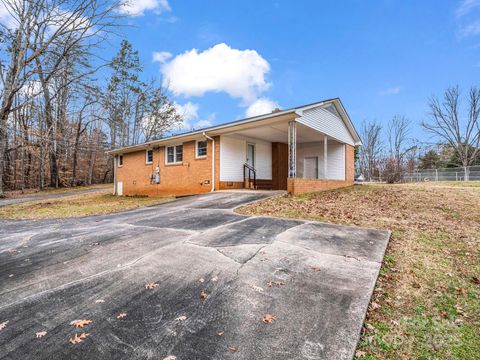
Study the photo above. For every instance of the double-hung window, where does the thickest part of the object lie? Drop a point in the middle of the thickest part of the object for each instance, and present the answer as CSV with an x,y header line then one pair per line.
x,y
149,157
201,149
174,154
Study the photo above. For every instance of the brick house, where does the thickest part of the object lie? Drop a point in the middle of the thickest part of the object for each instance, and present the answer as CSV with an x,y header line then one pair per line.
x,y
303,149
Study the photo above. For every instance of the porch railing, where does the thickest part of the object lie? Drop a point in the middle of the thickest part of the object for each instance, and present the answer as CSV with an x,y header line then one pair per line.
x,y
251,171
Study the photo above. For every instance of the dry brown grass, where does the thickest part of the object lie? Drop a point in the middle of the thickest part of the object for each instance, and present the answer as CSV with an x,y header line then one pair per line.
x,y
37,192
426,304
102,202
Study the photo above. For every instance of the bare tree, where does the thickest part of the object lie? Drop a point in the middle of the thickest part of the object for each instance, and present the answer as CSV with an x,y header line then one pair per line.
x,y
42,32
400,146
371,150
460,131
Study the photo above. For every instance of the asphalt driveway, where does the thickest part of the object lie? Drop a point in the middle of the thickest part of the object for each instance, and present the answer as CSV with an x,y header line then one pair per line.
x,y
212,276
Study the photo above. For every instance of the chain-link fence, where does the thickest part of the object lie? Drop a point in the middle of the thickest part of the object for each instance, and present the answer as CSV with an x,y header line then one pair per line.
x,y
469,173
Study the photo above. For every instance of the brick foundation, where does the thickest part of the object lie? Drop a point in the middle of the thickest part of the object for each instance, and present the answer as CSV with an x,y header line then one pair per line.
x,y
297,186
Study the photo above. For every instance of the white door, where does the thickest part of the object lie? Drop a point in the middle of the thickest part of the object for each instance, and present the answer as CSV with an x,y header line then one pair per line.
x,y
251,155
119,188
310,167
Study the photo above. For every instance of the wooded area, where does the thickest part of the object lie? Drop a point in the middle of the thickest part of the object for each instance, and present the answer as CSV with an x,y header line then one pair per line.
x,y
62,104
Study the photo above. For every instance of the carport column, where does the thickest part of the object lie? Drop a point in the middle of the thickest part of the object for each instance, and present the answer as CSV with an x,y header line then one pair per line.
x,y
292,149
325,157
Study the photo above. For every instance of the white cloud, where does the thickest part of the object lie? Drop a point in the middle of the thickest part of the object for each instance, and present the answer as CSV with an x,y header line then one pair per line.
x,y
205,122
161,56
189,113
391,91
471,29
239,73
261,106
6,18
139,7
466,7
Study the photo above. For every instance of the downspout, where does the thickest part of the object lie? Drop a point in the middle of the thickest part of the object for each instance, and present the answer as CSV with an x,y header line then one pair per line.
x,y
213,159
115,175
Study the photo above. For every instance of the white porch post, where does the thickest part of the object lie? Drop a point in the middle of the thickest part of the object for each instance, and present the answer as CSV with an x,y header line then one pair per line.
x,y
325,157
292,149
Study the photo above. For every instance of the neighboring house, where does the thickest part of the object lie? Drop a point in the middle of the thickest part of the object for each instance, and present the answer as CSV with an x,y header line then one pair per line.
x,y
303,149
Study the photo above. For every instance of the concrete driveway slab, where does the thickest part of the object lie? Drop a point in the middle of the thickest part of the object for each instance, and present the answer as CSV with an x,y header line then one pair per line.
x,y
211,272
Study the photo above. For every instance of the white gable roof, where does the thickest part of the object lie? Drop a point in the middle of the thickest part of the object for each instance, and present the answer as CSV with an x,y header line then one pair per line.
x,y
327,120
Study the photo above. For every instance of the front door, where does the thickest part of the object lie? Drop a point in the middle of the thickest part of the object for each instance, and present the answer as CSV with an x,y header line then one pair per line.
x,y
251,155
310,167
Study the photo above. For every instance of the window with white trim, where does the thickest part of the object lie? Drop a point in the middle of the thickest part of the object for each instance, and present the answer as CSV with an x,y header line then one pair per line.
x,y
201,148
120,160
174,154
149,156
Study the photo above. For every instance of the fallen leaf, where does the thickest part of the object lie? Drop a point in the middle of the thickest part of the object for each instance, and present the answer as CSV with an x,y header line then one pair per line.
x,y
75,339
181,318
40,334
268,318
80,323
220,333
374,305
151,285
203,295
257,288
460,290
170,357
214,279
11,275
360,353
3,325
315,268
122,315
475,280
232,349
202,280
275,283
99,301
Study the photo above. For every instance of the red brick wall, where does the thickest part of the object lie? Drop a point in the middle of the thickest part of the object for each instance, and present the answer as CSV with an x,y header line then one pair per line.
x,y
297,186
349,163
182,179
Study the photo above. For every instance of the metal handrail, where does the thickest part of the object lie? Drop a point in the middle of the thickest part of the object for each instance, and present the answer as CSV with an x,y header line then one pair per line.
x,y
251,170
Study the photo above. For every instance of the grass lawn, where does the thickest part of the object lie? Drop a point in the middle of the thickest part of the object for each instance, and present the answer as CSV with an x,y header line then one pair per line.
x,y
426,303
38,192
101,202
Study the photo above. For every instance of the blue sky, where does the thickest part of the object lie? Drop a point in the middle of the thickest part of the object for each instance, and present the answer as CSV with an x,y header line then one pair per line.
x,y
381,58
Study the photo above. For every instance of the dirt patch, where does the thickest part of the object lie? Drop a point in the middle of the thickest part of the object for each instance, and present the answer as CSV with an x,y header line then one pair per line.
x,y
427,300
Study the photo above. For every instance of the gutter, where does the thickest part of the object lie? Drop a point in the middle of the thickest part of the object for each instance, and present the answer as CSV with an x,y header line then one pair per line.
x,y
115,175
213,159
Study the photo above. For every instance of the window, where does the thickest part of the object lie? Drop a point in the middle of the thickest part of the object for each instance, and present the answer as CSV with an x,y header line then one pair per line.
x,y
174,154
179,153
120,160
201,149
149,157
